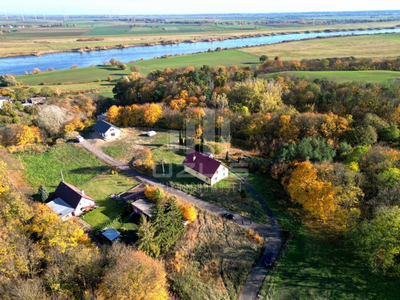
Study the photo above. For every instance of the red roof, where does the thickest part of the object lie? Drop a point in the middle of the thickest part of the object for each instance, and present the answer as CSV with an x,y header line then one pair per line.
x,y
201,163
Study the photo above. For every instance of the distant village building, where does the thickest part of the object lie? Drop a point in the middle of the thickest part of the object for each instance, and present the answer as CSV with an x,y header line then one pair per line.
x,y
37,100
70,201
205,168
143,207
112,235
106,130
4,99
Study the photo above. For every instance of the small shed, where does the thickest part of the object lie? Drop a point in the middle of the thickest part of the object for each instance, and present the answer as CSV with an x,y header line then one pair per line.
x,y
151,133
112,235
143,207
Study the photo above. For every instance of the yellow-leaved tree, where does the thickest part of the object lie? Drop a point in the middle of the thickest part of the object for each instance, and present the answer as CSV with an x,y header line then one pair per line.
x,y
152,113
315,195
135,276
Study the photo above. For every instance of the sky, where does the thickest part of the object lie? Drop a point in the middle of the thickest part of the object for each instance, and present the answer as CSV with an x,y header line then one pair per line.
x,y
140,7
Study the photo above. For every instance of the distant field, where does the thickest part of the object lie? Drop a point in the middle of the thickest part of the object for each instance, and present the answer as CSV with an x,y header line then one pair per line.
x,y
117,32
146,66
344,76
383,45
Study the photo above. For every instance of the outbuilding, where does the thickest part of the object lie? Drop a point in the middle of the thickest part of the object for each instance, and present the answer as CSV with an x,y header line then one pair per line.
x,y
106,130
151,133
112,235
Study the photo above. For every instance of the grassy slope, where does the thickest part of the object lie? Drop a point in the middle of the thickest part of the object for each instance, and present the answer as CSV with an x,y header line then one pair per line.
x,y
318,265
217,259
384,45
146,66
77,164
344,76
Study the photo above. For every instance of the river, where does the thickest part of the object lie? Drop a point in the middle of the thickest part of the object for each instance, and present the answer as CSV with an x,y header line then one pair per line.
x,y
64,60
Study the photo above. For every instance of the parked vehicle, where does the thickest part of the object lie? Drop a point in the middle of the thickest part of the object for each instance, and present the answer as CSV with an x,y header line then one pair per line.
x,y
79,139
228,216
269,261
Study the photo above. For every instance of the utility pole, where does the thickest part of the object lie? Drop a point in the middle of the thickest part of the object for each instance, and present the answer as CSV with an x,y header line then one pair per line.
x,y
34,11
5,12
22,14
62,176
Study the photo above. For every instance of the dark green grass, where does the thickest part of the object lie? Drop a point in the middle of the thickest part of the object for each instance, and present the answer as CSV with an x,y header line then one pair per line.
x,y
100,188
345,76
317,265
77,165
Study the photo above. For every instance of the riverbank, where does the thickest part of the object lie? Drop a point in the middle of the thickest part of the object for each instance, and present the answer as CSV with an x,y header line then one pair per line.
x,y
193,40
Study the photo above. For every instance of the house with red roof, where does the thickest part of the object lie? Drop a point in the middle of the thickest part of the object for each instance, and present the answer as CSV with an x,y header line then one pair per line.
x,y
205,168
70,201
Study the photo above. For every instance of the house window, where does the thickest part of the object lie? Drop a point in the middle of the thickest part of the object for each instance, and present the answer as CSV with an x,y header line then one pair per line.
x,y
207,179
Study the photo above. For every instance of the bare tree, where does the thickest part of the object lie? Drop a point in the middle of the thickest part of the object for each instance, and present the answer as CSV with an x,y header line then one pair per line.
x,y
53,118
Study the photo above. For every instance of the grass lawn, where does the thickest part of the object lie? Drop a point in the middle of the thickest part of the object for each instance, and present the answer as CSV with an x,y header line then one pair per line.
x,y
91,74
383,45
344,76
317,265
100,188
216,259
165,147
77,164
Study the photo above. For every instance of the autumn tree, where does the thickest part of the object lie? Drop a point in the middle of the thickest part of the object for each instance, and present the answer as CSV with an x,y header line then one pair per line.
x,y
8,80
152,113
135,276
53,118
189,213
316,196
143,159
114,115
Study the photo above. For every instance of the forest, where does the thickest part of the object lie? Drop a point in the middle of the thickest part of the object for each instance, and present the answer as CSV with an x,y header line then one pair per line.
x,y
333,147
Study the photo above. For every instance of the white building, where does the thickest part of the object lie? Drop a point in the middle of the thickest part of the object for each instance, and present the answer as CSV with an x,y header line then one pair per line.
x,y
4,99
205,168
106,130
70,201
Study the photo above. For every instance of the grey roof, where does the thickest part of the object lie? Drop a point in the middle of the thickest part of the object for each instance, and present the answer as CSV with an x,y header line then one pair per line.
x,y
144,206
111,234
103,126
60,207
70,194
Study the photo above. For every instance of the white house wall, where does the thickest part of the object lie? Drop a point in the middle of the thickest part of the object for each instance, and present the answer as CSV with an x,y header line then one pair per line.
x,y
221,173
83,203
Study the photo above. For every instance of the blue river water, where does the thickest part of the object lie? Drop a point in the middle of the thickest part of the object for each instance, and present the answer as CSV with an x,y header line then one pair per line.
x,y
64,60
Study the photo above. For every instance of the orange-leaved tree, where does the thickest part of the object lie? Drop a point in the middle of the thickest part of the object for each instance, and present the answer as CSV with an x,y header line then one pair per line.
x,y
315,195
135,276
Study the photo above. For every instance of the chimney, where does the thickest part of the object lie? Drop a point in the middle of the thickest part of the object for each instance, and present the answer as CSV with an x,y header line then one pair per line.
x,y
194,157
83,193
